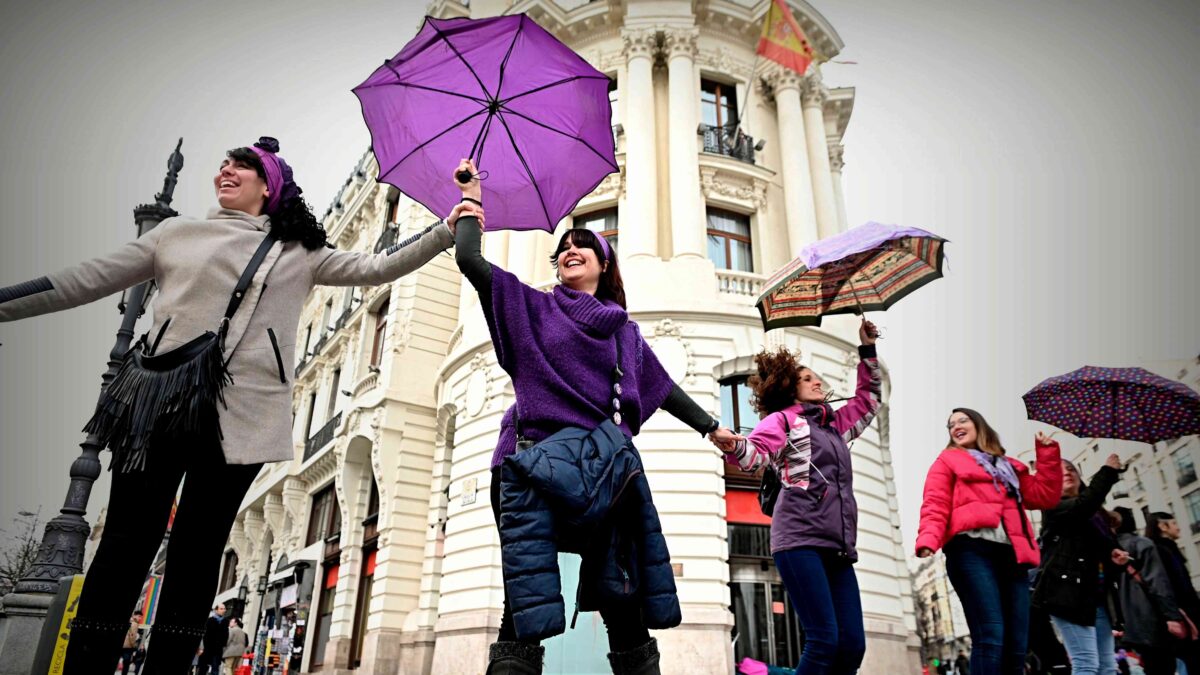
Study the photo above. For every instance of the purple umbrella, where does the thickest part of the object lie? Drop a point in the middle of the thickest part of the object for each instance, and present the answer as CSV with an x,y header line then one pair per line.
x,y
1131,404
531,113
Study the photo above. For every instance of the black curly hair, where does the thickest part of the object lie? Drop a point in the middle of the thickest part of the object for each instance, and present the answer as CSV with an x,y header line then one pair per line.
x,y
294,219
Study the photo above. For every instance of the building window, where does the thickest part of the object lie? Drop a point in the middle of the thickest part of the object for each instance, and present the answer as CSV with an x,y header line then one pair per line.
x,y
736,411
603,223
613,97
333,393
324,613
393,207
1192,499
1184,466
729,240
718,104
308,419
381,322
325,517
228,571
766,625
306,346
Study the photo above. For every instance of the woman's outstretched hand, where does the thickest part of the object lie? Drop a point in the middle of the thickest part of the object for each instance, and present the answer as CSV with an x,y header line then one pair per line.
x,y
868,333
470,189
1043,439
924,552
464,209
724,439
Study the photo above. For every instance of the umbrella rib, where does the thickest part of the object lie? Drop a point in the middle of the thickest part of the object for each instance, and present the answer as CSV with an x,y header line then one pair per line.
x,y
559,131
481,101
445,131
504,63
471,70
532,180
553,84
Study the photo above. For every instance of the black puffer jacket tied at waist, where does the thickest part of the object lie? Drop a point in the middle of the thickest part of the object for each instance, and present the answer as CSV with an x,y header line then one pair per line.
x,y
582,492
1075,549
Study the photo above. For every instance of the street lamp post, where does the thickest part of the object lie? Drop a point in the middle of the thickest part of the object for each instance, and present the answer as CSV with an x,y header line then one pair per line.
x,y
61,552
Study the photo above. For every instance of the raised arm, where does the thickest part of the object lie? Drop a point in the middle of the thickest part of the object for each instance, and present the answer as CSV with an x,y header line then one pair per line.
x,y
935,507
468,254
1075,511
1043,489
86,282
853,418
347,268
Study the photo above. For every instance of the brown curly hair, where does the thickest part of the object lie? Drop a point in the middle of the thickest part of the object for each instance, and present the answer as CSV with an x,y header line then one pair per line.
x,y
774,385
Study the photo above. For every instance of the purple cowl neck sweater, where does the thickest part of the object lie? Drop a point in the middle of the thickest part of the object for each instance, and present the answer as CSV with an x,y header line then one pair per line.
x,y
558,348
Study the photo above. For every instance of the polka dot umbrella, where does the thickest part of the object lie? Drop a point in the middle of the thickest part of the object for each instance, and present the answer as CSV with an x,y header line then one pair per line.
x,y
1130,404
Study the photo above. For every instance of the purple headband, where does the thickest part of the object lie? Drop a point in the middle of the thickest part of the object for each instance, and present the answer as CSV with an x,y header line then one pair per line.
x,y
279,174
604,245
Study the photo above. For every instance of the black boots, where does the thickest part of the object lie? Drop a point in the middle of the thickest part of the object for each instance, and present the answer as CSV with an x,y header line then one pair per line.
x,y
171,649
640,661
515,658
94,644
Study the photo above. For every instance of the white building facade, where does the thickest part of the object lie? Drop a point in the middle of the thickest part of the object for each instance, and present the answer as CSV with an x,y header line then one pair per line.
x,y
375,549
941,622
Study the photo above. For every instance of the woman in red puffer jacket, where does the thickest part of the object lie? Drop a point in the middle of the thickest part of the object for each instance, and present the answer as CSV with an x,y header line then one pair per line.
x,y
974,507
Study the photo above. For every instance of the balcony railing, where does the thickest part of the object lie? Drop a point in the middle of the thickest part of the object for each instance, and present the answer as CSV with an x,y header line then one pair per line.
x,y
388,238
739,283
1187,477
729,140
322,437
366,384
749,541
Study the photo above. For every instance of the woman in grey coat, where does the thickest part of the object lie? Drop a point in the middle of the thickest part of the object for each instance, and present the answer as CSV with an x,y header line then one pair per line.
x,y
1151,613
196,264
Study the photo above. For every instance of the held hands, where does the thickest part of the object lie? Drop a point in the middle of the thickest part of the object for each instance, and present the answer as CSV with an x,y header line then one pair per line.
x,y
464,209
470,191
724,439
868,333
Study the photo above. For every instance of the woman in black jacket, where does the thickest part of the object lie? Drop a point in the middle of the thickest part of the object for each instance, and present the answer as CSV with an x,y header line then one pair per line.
x,y
1080,568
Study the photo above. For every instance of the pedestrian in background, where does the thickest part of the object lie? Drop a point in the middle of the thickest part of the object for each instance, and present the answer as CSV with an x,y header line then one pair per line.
x,y
216,635
974,506
962,664
235,646
133,642
1081,565
1163,530
1152,616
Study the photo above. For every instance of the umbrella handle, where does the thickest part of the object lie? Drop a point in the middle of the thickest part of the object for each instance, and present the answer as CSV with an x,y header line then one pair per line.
x,y
463,177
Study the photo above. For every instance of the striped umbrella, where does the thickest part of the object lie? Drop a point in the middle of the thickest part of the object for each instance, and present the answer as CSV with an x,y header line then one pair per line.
x,y
867,268
1130,404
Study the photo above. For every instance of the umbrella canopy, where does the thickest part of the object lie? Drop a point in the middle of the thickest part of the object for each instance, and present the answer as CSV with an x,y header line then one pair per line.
x,y
531,113
1130,404
868,268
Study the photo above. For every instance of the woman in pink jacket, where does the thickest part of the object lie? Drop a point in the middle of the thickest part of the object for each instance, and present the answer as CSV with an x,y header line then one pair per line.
x,y
974,507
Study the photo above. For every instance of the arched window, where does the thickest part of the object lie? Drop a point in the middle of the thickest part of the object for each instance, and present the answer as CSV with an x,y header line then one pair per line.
x,y
381,322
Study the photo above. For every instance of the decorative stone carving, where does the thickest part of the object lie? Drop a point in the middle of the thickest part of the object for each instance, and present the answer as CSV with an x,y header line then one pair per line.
x,y
402,337
295,493
674,352
751,192
814,93
273,513
613,186
478,386
680,42
779,79
722,60
640,43
836,160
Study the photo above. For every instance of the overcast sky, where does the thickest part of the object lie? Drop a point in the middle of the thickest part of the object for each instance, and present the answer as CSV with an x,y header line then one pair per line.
x,y
1054,143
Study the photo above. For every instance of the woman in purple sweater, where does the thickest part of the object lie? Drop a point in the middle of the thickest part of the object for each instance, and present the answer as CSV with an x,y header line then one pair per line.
x,y
815,523
559,348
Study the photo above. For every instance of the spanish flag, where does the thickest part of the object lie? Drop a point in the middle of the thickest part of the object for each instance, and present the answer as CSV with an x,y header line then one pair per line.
x,y
782,40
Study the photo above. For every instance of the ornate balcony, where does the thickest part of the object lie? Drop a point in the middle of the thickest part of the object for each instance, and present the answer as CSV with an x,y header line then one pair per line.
x,y
388,238
322,437
746,284
729,140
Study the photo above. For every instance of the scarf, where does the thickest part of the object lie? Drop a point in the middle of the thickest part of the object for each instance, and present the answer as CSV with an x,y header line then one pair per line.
x,y
1004,476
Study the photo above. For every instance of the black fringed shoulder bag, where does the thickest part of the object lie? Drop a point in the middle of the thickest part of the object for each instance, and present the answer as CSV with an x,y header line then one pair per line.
x,y
175,392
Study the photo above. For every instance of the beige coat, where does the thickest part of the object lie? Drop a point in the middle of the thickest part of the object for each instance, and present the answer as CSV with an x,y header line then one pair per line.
x,y
196,265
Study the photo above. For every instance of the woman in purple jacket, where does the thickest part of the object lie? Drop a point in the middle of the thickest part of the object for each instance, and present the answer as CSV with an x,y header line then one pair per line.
x,y
815,522
560,349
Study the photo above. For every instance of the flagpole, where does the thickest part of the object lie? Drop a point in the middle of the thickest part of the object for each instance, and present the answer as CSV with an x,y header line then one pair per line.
x,y
749,93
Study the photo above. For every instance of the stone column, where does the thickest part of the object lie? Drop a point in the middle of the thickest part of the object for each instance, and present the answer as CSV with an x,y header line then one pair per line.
x,y
793,164
836,163
687,227
521,247
814,94
639,227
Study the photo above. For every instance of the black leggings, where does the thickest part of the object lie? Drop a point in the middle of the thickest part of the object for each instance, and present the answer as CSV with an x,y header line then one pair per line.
x,y
624,625
139,507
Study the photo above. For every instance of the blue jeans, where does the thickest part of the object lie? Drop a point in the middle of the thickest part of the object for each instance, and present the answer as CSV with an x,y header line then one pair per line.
x,y
824,593
994,591
1091,648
